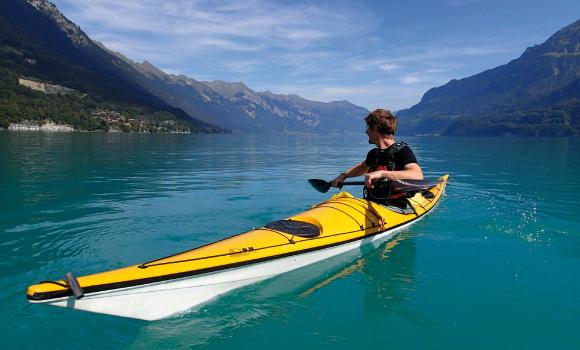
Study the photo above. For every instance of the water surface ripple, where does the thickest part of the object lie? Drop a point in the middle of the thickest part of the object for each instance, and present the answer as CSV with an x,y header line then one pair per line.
x,y
496,265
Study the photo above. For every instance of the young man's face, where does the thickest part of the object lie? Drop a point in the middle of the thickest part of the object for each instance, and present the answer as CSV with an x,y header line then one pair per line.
x,y
372,134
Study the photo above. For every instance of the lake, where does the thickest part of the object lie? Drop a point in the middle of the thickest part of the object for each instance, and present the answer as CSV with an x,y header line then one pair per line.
x,y
495,265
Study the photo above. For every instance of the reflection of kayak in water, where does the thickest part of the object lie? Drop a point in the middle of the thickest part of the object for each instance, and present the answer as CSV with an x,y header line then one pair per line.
x,y
162,287
352,268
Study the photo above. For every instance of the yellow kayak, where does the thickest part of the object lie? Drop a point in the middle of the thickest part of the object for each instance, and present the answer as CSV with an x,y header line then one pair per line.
x,y
159,288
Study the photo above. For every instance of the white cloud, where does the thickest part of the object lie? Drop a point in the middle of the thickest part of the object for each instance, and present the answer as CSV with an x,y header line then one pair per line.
x,y
242,66
387,67
462,3
369,95
225,25
425,53
228,44
345,91
410,79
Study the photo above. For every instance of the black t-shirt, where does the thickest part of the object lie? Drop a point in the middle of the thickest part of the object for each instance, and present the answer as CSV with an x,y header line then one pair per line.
x,y
378,158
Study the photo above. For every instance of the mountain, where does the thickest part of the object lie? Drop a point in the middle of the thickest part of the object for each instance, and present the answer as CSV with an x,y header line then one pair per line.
x,y
188,94
235,106
39,44
290,112
536,94
40,47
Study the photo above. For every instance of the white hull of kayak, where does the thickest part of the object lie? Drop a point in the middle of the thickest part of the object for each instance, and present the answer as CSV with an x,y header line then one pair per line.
x,y
160,300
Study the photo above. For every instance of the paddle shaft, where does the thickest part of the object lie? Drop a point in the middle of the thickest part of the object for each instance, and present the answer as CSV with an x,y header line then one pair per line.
x,y
353,183
398,185
410,183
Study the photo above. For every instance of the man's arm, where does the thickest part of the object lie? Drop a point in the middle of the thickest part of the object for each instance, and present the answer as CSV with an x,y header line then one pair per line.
x,y
357,170
411,171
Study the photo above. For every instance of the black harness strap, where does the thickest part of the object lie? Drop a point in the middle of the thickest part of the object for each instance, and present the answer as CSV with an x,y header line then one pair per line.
x,y
388,156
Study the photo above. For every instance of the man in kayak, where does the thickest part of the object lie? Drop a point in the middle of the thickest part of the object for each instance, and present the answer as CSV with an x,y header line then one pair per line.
x,y
389,161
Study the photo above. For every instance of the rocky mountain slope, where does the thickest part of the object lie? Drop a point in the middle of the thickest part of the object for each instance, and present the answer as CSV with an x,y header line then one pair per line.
x,y
535,94
38,42
237,107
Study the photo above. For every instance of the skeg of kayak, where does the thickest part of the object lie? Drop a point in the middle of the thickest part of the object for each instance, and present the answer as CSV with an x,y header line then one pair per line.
x,y
160,288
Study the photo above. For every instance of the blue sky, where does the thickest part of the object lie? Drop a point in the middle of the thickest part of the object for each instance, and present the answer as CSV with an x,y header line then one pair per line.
x,y
372,53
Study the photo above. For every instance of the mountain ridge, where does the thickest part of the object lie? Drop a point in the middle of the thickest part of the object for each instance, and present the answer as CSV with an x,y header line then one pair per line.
x,y
37,41
239,108
509,95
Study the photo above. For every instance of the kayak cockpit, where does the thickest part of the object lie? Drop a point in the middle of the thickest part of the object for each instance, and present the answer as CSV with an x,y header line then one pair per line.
x,y
295,227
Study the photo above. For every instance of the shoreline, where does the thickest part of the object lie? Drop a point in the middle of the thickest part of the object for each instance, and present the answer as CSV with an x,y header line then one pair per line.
x,y
49,126
54,127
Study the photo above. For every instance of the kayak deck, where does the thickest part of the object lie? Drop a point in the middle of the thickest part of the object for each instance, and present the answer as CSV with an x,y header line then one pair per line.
x,y
340,220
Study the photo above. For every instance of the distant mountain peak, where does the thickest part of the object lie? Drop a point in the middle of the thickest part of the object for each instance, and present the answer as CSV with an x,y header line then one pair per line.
x,y
147,67
72,31
229,89
340,102
566,41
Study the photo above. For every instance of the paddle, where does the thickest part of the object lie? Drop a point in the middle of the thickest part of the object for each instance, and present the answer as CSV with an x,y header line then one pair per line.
x,y
324,186
398,185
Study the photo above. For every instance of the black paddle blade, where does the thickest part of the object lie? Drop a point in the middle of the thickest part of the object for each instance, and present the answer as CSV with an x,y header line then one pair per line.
x,y
320,185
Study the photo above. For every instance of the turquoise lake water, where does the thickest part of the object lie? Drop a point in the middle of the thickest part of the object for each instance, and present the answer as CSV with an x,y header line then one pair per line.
x,y
495,266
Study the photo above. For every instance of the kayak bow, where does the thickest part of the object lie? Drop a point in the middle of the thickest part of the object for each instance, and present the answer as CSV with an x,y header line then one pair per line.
x,y
173,284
